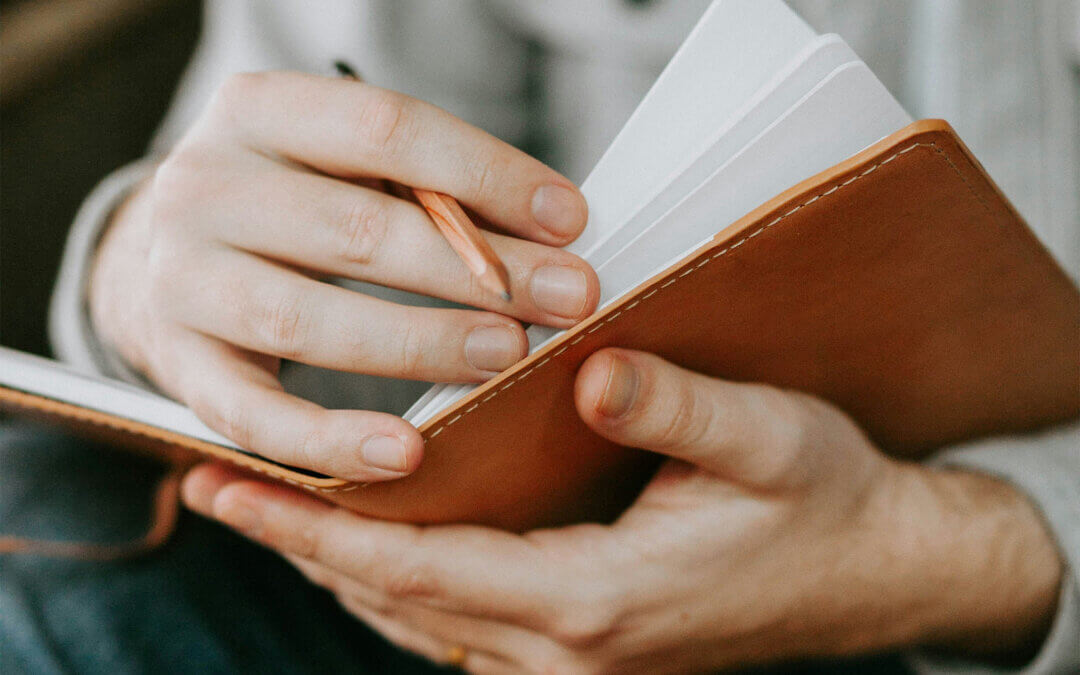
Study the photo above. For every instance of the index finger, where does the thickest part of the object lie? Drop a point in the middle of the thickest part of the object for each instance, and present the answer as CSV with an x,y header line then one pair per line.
x,y
460,568
349,129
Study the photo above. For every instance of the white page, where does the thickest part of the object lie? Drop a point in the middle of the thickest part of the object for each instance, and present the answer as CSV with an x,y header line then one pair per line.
x,y
805,71
845,113
735,48
801,75
44,377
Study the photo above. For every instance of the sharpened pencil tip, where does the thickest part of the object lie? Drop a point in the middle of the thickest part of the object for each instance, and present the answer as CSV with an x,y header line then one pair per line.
x,y
506,296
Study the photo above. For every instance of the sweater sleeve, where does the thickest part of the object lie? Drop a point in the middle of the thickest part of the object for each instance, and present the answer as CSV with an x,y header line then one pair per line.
x,y
1046,467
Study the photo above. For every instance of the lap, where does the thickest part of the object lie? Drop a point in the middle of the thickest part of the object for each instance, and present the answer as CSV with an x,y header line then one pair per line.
x,y
208,600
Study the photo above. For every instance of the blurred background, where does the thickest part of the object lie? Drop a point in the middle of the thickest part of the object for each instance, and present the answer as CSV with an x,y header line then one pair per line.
x,y
83,84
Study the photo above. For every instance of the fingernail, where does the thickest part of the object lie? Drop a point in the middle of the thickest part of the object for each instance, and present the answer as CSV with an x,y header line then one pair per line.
x,y
559,290
241,517
492,348
621,389
559,210
385,452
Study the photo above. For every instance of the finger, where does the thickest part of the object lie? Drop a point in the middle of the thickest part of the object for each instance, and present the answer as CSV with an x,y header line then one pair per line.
x,y
447,567
332,226
415,640
503,642
402,636
351,129
411,637
202,483
750,433
269,309
245,403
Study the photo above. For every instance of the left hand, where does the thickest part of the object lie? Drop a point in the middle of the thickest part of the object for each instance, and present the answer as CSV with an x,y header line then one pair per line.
x,y
777,531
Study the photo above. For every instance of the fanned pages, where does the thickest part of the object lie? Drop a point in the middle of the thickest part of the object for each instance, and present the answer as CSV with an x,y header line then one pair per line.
x,y
709,160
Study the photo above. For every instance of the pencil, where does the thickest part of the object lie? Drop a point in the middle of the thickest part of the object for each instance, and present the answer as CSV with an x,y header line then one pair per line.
x,y
457,228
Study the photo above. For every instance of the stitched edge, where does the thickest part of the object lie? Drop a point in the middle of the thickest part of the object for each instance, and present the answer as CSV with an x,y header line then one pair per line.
x,y
714,256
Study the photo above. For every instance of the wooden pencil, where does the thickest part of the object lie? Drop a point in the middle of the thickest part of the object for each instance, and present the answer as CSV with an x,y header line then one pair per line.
x,y
464,237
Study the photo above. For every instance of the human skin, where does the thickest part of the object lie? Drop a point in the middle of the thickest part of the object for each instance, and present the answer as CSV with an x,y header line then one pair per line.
x,y
213,270
775,531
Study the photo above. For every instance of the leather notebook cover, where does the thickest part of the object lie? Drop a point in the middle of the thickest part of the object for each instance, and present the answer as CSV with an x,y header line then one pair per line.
x,y
900,285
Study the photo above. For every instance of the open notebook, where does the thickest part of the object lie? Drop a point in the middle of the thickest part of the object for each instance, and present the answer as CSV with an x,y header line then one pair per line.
x,y
769,213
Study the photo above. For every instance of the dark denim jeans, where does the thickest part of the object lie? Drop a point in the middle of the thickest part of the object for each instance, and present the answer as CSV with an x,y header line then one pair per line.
x,y
207,602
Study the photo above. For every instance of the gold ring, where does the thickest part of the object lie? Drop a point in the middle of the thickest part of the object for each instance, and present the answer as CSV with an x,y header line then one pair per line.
x,y
455,656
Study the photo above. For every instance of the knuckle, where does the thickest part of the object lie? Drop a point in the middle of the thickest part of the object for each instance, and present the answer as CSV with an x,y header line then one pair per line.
x,y
317,574
308,541
310,449
583,626
482,174
233,420
412,581
413,355
383,121
236,92
170,265
285,326
791,423
373,602
164,272
175,182
363,227
685,422
788,431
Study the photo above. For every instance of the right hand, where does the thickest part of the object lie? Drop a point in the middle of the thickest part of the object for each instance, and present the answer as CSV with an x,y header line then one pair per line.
x,y
209,273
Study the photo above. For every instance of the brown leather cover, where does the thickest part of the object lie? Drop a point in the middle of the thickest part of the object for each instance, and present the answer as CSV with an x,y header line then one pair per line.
x,y
900,285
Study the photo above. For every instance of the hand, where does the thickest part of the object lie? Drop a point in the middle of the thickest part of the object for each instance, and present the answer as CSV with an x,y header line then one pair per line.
x,y
776,531
210,272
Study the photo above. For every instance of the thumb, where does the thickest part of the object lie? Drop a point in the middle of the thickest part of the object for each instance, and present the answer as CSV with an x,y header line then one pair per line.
x,y
748,433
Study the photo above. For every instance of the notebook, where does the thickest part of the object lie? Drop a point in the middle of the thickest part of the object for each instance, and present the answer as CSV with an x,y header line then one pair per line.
x,y
769,213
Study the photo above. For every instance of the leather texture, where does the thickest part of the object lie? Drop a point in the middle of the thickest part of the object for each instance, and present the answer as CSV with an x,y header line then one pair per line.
x,y
900,285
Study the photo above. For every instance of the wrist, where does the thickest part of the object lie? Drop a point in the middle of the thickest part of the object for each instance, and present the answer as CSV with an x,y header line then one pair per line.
x,y
984,572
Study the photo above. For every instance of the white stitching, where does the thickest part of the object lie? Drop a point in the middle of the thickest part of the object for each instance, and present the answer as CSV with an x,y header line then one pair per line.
x,y
694,267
